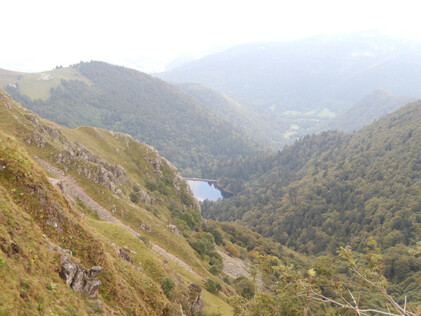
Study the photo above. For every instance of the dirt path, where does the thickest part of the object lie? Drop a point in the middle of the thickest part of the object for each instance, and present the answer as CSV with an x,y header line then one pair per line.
x,y
70,187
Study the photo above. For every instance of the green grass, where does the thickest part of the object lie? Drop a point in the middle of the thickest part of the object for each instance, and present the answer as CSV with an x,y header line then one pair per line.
x,y
35,86
133,289
29,278
215,305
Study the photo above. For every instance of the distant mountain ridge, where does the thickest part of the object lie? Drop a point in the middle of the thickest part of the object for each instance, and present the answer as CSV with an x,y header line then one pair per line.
x,y
371,107
313,73
121,99
301,84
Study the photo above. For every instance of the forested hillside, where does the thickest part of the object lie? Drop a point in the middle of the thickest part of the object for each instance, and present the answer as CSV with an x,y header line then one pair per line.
x,y
231,110
333,190
125,100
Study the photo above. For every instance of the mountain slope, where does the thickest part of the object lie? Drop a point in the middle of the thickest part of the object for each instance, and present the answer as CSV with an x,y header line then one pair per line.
x,y
81,198
255,123
366,184
371,107
125,100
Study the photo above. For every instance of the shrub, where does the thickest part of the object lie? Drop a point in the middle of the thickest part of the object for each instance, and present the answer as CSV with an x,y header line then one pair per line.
x,y
226,280
167,286
215,259
203,243
244,287
214,270
134,197
212,286
151,185
232,250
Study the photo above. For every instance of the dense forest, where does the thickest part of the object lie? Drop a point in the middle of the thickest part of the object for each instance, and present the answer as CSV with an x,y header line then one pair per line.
x,y
120,99
332,190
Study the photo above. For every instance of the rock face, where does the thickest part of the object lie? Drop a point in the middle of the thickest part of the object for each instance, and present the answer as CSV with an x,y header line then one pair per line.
x,y
88,164
144,197
173,229
194,302
41,131
53,247
92,167
78,278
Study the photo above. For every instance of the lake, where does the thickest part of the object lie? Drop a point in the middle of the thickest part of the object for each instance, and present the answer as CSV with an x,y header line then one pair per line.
x,y
203,190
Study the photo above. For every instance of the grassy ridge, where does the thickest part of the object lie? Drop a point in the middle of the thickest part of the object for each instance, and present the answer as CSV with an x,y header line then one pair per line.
x,y
31,205
39,85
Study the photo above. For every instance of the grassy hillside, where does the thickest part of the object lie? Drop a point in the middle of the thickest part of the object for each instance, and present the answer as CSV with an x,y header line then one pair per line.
x,y
333,190
39,85
108,199
125,100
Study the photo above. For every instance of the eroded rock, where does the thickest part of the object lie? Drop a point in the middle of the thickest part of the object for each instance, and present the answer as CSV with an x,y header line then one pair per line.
x,y
144,197
78,278
53,247
173,229
194,301
124,255
92,167
146,227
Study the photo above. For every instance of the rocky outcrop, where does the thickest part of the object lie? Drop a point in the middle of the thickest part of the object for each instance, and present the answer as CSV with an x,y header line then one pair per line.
x,y
41,131
53,247
91,167
124,255
109,176
146,227
173,229
144,197
78,278
156,164
194,302
88,164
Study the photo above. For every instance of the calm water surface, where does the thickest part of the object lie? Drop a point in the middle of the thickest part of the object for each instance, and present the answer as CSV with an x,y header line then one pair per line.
x,y
203,190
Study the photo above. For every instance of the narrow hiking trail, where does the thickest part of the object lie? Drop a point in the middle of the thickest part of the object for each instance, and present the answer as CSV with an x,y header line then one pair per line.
x,y
70,187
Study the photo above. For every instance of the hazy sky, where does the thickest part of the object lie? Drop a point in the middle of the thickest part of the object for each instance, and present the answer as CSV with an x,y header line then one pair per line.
x,y
39,35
